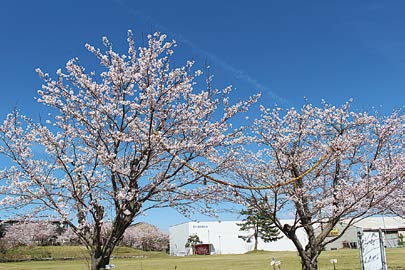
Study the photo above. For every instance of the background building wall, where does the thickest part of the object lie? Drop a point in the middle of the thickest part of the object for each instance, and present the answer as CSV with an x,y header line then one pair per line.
x,y
222,236
347,240
178,237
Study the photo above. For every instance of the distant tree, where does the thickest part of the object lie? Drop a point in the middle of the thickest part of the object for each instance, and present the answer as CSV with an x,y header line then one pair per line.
x,y
192,241
30,233
146,237
259,224
68,237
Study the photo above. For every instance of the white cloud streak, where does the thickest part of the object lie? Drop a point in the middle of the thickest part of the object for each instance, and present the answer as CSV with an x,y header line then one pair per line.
x,y
236,72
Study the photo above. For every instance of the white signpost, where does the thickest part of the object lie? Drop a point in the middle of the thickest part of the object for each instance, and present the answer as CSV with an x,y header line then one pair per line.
x,y
372,251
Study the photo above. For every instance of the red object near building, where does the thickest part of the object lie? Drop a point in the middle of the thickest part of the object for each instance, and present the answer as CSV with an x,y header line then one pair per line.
x,y
202,249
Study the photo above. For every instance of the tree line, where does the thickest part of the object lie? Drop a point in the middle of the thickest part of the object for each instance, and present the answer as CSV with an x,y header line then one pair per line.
x,y
141,236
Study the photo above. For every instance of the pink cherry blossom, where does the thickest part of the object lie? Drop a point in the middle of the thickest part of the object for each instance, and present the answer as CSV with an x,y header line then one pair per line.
x,y
116,142
345,166
146,237
30,233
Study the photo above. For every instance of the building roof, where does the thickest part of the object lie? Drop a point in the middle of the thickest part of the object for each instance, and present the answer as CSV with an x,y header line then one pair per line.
x,y
383,222
369,223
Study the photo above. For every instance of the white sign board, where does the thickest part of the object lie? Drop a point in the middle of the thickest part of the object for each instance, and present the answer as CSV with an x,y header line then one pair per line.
x,y
372,251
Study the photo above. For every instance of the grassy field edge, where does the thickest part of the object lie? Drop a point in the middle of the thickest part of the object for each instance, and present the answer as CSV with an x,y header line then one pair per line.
x,y
347,259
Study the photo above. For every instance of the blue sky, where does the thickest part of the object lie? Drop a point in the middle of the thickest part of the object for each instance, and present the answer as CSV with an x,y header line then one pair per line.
x,y
288,50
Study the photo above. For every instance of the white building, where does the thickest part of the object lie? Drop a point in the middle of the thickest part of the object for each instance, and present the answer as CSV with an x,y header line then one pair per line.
x,y
222,236
391,227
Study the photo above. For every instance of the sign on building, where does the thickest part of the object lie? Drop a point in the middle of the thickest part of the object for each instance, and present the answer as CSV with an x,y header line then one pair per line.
x,y
334,232
372,251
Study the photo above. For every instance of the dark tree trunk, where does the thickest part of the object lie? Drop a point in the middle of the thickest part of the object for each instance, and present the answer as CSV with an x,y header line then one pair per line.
x,y
255,247
309,255
309,259
308,264
100,258
99,263
102,248
256,236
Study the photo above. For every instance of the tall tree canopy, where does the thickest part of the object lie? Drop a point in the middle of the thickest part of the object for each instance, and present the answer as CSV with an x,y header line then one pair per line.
x,y
320,166
116,141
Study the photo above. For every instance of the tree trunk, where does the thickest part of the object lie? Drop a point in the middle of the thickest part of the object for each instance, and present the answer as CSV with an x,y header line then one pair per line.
x,y
308,264
309,258
256,236
100,259
255,247
99,263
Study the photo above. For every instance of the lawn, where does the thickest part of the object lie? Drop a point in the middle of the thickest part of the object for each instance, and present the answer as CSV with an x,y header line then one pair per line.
x,y
347,260
69,252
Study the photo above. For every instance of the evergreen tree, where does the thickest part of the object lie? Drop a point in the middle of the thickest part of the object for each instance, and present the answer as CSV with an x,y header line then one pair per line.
x,y
192,241
258,223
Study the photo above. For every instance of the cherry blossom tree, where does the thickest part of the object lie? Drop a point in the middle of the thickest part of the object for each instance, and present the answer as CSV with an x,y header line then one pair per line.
x,y
146,237
67,237
30,233
116,142
321,166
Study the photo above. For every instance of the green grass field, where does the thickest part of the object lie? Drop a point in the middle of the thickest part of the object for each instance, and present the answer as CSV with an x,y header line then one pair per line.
x,y
347,260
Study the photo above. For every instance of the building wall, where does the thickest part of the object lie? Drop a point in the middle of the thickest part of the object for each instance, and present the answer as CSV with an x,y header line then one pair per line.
x,y
349,237
178,237
223,238
391,239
